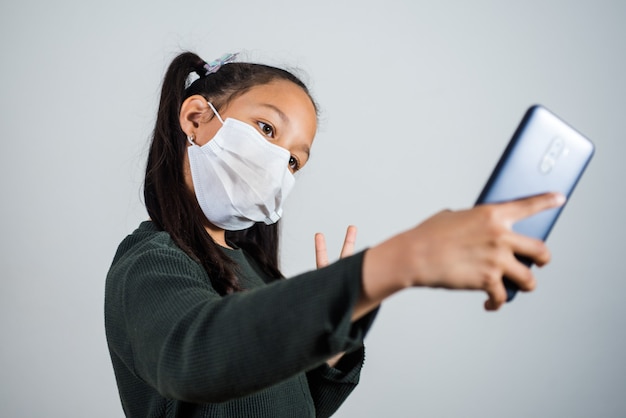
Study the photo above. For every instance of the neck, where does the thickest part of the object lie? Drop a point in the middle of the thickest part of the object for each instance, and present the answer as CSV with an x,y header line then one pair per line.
x,y
218,234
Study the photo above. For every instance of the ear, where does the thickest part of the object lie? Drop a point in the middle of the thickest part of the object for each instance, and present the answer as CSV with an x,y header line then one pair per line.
x,y
193,113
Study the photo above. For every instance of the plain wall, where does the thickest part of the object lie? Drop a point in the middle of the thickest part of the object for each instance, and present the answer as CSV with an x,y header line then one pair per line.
x,y
418,101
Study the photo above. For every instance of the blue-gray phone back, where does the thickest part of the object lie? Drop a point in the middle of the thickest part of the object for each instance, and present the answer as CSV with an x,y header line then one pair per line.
x,y
544,155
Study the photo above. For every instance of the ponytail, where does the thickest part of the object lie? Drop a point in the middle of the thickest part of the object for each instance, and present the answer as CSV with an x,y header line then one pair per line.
x,y
170,204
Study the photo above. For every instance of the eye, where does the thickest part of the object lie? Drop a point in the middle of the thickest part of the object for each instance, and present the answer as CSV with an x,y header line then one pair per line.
x,y
266,128
294,164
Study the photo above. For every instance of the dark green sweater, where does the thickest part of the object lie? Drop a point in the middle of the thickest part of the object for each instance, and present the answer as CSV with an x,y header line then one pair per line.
x,y
179,349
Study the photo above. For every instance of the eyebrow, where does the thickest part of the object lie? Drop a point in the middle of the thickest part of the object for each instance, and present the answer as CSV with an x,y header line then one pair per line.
x,y
280,113
307,150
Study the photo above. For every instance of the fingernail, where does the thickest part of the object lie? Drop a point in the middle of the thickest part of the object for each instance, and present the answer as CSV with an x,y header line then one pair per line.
x,y
560,199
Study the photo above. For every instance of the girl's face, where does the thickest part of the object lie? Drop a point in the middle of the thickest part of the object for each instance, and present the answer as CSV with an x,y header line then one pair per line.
x,y
281,111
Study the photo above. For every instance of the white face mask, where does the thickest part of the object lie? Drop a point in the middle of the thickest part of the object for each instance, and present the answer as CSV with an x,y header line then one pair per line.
x,y
239,176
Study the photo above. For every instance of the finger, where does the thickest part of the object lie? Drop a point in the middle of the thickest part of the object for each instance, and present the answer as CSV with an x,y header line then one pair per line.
x,y
520,274
497,296
532,248
321,255
348,243
523,208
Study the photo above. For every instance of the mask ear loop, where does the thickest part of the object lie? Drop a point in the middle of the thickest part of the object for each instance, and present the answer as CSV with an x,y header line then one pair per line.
x,y
215,111
191,138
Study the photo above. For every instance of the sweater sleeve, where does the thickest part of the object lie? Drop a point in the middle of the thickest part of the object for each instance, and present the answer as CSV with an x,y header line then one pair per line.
x,y
330,386
194,345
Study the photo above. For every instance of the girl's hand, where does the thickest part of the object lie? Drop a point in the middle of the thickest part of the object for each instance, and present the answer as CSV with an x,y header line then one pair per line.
x,y
321,260
321,254
468,249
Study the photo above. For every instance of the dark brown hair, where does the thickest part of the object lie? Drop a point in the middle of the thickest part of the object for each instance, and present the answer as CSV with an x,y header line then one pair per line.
x,y
171,205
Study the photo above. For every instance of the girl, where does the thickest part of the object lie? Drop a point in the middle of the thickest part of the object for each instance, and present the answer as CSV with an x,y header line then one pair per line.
x,y
199,320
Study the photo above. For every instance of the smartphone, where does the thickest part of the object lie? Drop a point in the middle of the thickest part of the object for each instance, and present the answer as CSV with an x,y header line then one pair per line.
x,y
544,155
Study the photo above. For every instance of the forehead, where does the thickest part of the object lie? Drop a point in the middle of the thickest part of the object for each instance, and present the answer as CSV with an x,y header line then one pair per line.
x,y
279,90
285,96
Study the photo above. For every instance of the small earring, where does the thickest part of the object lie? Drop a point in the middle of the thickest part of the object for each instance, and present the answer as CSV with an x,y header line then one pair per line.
x,y
191,139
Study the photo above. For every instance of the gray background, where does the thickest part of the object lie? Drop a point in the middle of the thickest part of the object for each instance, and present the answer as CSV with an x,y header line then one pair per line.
x,y
418,100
